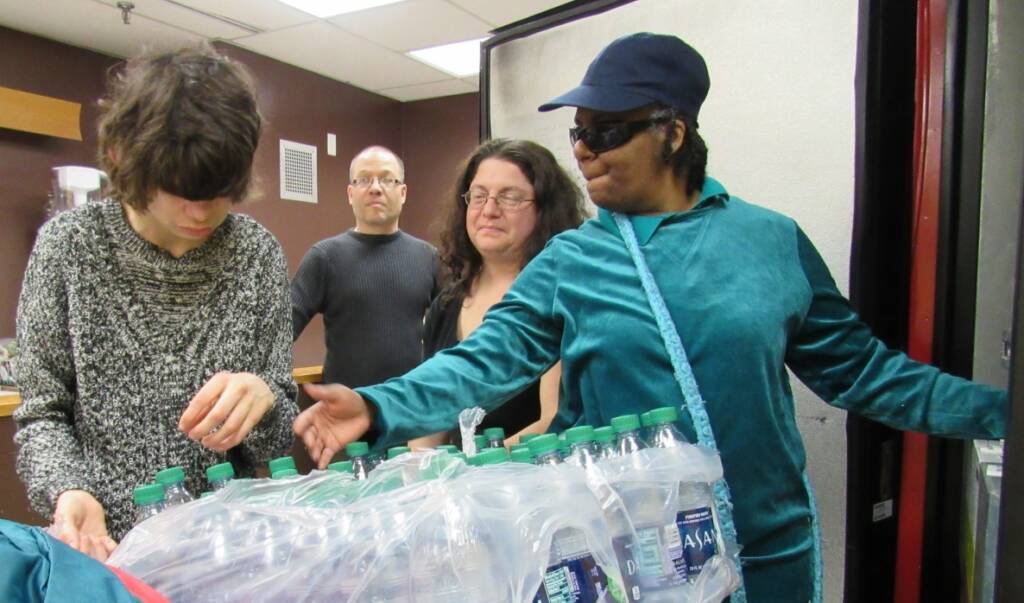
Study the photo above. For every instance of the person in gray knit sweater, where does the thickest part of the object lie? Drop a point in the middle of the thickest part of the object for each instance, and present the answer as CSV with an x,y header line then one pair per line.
x,y
154,327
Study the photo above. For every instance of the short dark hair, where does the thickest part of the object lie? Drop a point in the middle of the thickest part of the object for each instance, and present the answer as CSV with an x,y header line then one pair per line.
x,y
559,202
185,122
690,162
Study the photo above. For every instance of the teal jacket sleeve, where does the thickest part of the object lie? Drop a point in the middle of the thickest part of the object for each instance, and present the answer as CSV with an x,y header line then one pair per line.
x,y
516,343
835,355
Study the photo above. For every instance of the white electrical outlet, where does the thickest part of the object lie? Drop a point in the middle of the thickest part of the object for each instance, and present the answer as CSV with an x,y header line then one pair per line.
x,y
332,145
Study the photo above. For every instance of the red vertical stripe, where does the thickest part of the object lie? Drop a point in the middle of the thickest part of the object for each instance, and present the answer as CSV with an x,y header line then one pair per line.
x,y
931,50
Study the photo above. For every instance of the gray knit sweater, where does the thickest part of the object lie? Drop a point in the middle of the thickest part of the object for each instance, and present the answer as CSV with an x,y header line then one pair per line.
x,y
115,338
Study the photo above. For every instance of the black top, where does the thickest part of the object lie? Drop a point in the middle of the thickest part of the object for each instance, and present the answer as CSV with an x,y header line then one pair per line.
x,y
373,291
440,332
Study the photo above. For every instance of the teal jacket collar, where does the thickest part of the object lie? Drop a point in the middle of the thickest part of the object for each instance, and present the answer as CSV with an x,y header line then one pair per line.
x,y
645,226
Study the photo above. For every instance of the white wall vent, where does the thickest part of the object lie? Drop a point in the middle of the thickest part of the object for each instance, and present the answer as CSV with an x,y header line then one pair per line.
x,y
298,171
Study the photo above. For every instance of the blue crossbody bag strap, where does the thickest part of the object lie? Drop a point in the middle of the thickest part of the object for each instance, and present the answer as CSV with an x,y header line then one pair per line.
x,y
695,404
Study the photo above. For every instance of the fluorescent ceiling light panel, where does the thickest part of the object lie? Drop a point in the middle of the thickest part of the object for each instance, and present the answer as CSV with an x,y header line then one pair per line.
x,y
459,59
330,8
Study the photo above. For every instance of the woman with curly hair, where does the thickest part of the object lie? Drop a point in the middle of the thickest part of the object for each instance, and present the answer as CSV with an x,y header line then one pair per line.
x,y
511,197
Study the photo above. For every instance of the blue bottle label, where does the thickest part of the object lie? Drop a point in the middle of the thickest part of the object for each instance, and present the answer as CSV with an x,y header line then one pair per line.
x,y
697,532
652,562
578,580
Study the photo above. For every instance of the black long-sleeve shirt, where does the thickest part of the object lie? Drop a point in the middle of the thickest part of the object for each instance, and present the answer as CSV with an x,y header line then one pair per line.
x,y
373,291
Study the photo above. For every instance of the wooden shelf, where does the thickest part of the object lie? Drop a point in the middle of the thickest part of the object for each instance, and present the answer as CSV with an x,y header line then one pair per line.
x,y
39,114
8,402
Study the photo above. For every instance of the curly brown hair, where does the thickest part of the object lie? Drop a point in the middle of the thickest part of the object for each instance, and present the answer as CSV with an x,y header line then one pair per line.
x,y
185,122
559,202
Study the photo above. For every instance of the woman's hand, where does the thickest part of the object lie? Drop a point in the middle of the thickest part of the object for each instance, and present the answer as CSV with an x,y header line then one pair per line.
x,y
226,409
79,521
340,416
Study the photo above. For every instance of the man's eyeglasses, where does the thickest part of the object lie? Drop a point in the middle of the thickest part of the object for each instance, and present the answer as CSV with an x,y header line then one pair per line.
x,y
507,201
367,181
607,135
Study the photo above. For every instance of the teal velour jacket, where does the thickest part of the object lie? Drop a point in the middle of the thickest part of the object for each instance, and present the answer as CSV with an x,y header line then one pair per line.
x,y
750,295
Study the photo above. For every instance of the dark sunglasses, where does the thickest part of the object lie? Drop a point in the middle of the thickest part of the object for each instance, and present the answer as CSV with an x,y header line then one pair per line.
x,y
607,135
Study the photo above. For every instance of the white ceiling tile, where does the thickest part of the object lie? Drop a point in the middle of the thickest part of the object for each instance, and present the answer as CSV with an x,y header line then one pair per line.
x,y
499,13
431,90
364,49
328,50
185,18
267,15
472,80
63,20
413,24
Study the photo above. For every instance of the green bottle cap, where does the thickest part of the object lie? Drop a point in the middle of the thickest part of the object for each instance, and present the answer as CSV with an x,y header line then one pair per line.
x,y
449,448
355,449
148,494
626,423
281,462
220,472
543,444
663,415
341,466
396,451
494,433
205,494
461,456
645,419
283,473
579,435
480,441
605,434
491,456
517,447
522,455
171,475
525,439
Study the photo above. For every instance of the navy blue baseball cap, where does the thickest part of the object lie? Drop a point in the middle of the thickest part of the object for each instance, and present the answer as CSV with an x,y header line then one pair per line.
x,y
638,70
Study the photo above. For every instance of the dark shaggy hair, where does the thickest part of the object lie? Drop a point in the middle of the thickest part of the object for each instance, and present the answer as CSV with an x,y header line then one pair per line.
x,y
558,200
185,122
690,162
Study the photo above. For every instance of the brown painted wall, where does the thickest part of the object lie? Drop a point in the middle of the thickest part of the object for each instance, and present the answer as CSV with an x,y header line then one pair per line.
x,y
432,136
437,135
37,65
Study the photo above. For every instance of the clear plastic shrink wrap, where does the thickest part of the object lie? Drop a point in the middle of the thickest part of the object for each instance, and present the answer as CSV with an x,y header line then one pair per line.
x,y
424,527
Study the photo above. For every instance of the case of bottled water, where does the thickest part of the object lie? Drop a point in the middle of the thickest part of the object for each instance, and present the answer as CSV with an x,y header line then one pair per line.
x,y
423,527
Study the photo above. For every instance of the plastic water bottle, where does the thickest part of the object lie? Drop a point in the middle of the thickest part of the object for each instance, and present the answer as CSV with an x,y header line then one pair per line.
x,y
219,475
563,446
284,473
544,449
581,446
627,434
396,451
341,467
495,437
359,454
281,462
656,567
522,455
604,439
173,480
149,501
449,448
698,527
572,573
490,456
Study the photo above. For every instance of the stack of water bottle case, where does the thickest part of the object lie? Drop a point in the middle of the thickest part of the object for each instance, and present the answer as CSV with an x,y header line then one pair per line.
x,y
624,518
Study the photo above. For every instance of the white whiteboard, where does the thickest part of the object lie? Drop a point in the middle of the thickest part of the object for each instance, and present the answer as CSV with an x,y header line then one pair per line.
x,y
779,122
